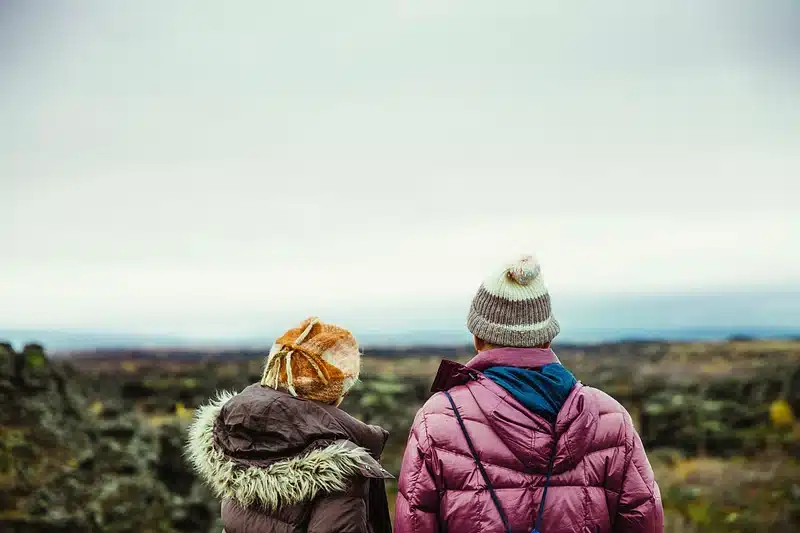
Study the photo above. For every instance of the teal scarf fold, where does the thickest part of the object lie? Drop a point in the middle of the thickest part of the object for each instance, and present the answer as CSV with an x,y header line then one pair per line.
x,y
542,390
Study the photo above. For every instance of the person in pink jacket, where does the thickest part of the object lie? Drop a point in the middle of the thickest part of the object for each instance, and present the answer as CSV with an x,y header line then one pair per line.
x,y
512,442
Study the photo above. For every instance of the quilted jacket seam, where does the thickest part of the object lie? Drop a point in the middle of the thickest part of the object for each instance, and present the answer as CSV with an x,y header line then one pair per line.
x,y
586,499
644,481
472,461
529,487
427,439
415,479
625,465
465,419
470,489
469,456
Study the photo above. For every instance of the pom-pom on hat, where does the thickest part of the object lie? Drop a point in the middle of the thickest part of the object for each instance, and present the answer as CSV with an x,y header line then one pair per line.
x,y
512,307
314,360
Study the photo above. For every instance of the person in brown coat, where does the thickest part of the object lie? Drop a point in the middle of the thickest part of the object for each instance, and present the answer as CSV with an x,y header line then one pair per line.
x,y
282,456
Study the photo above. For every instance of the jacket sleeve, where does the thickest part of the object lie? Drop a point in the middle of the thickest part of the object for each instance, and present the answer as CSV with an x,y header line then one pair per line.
x,y
640,509
417,505
340,512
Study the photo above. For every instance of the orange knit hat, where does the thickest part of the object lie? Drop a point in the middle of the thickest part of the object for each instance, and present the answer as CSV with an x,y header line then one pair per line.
x,y
314,360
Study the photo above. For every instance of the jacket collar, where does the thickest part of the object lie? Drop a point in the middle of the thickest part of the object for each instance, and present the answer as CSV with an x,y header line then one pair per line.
x,y
519,357
451,373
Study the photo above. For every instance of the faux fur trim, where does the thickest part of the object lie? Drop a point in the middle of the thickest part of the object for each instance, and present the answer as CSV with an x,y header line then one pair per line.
x,y
287,482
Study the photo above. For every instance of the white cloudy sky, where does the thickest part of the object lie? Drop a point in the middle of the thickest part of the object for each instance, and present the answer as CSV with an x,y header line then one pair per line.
x,y
203,168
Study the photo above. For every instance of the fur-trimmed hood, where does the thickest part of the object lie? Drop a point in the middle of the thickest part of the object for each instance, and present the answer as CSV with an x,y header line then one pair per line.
x,y
265,447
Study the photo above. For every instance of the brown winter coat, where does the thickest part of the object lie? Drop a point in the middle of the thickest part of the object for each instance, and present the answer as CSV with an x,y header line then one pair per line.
x,y
285,464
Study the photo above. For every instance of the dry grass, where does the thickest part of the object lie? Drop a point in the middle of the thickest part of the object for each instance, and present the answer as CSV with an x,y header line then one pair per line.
x,y
711,494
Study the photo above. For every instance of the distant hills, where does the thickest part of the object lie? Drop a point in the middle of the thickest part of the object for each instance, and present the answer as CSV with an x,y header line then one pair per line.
x,y
86,340
764,313
66,341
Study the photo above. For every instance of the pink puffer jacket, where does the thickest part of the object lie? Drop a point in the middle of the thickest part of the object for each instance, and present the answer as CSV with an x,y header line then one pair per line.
x,y
601,480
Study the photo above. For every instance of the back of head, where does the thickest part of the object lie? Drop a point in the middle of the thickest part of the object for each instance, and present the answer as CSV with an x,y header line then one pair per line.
x,y
315,361
272,453
512,307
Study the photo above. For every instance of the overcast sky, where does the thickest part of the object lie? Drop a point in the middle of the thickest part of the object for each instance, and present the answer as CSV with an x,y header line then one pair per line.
x,y
203,168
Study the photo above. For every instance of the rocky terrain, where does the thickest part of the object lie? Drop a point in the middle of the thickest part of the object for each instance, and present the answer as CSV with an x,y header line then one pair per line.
x,y
67,465
95,444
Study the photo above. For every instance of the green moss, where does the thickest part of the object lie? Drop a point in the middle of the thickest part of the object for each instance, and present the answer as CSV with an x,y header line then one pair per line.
x,y
35,360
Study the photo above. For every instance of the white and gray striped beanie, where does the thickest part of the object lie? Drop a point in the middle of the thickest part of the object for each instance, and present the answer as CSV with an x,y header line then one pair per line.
x,y
512,307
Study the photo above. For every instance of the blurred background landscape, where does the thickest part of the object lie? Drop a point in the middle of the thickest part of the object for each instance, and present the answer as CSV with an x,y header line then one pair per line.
x,y
93,441
180,182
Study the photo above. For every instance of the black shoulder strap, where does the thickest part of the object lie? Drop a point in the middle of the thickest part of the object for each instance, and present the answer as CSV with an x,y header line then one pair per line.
x,y
538,526
489,487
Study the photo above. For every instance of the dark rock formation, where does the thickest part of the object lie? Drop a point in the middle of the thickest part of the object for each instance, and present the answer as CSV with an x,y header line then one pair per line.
x,y
66,468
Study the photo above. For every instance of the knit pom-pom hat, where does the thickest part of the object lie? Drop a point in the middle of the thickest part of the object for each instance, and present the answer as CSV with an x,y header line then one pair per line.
x,y
314,360
512,307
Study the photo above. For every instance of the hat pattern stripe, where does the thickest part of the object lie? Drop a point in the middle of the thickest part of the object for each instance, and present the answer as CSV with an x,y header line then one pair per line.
x,y
512,313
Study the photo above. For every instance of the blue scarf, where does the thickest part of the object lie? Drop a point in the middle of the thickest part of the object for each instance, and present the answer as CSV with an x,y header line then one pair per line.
x,y
542,390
